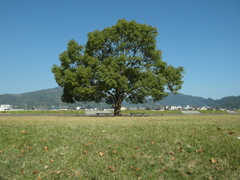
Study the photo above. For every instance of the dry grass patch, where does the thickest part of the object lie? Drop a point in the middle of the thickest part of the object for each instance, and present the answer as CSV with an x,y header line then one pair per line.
x,y
165,147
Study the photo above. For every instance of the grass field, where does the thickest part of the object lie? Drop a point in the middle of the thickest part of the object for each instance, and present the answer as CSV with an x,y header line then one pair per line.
x,y
81,112
157,147
212,111
124,113
75,112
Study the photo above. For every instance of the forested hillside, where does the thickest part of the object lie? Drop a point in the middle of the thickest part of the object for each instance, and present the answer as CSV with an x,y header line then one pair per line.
x,y
46,98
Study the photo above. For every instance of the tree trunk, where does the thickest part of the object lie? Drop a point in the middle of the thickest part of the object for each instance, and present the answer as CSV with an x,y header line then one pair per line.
x,y
117,107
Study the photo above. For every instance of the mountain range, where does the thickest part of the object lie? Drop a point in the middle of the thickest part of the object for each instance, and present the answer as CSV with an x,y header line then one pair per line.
x,y
46,98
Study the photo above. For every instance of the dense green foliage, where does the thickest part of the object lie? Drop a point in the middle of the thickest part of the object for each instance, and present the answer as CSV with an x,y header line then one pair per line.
x,y
118,63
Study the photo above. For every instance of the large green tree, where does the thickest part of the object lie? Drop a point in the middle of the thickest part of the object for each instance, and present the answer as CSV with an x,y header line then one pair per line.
x,y
118,63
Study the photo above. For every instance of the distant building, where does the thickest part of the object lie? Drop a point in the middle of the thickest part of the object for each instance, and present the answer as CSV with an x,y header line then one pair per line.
x,y
79,108
123,108
171,108
53,108
86,108
141,108
108,109
5,107
203,108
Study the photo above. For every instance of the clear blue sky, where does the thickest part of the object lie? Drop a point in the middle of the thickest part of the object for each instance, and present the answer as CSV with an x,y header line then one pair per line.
x,y
203,36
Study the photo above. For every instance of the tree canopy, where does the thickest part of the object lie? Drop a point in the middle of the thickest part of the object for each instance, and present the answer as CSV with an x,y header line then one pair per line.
x,y
118,63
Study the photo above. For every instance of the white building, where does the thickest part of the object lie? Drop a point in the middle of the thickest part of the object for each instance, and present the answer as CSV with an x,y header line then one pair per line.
x,y
174,107
5,107
203,108
123,108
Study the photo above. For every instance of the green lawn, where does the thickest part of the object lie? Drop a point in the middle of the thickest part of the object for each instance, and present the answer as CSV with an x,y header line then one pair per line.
x,y
157,147
126,112
151,112
43,112
212,111
77,112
